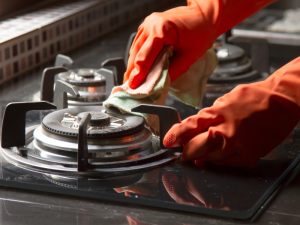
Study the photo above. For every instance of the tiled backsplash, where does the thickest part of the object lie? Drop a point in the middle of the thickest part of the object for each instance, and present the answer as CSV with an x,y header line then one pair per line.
x,y
35,38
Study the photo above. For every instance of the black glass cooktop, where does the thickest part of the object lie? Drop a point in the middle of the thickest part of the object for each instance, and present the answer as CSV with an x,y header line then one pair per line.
x,y
216,191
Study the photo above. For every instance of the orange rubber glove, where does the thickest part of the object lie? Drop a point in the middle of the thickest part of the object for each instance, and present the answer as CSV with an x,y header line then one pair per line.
x,y
190,30
243,125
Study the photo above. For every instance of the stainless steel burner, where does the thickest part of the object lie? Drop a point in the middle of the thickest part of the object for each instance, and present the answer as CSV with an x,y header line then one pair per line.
x,y
83,77
102,124
84,141
234,68
90,83
116,137
99,120
100,150
92,86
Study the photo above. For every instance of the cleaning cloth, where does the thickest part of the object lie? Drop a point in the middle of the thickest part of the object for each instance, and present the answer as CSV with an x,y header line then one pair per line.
x,y
188,88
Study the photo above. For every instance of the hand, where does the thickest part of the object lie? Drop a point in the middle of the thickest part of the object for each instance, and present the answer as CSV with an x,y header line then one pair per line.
x,y
243,125
189,30
180,28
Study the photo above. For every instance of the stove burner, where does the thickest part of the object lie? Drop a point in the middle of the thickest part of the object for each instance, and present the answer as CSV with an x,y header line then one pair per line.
x,y
92,85
66,123
83,78
85,141
234,68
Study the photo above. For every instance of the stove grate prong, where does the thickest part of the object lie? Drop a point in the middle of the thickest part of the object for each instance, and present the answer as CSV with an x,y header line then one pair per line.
x,y
82,154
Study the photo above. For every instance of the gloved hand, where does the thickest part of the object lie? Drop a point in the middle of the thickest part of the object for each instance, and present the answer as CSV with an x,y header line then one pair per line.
x,y
243,125
190,30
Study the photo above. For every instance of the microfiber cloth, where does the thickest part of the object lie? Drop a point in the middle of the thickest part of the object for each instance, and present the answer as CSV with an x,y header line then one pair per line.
x,y
188,88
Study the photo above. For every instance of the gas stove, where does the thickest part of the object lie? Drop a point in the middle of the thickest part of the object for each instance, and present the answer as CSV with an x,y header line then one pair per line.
x,y
91,152
87,151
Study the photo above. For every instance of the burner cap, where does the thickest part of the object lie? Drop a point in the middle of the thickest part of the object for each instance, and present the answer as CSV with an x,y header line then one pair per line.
x,y
97,118
83,77
102,125
227,52
86,73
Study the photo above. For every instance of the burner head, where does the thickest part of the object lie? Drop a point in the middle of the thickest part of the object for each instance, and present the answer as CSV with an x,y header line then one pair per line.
x,y
83,77
90,83
102,124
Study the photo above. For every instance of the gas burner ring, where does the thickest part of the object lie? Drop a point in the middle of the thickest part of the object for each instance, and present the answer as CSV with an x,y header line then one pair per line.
x,y
65,122
83,77
42,160
100,170
48,145
129,150
99,120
